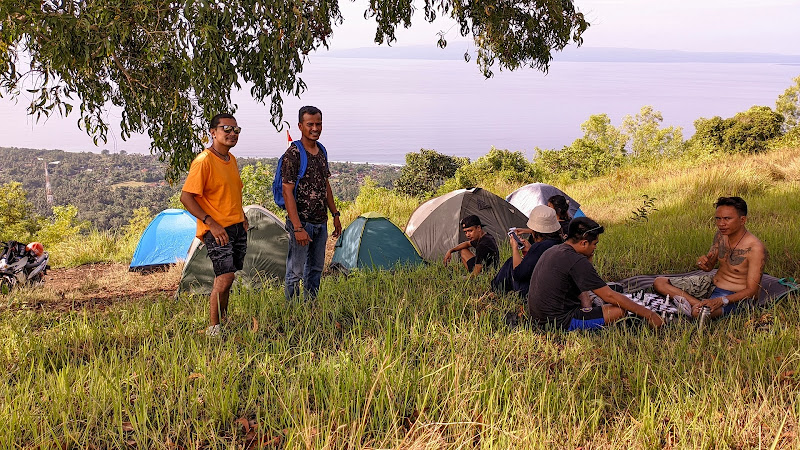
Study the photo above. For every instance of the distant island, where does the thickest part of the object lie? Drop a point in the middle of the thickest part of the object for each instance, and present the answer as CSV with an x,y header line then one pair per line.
x,y
456,51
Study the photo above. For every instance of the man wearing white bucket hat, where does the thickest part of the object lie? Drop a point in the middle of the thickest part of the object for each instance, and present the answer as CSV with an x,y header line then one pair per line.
x,y
515,275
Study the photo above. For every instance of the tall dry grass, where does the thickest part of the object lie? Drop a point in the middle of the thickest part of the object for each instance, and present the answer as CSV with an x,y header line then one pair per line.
x,y
421,359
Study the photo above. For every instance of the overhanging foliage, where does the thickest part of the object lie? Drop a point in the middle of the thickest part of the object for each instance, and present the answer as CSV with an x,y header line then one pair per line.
x,y
170,65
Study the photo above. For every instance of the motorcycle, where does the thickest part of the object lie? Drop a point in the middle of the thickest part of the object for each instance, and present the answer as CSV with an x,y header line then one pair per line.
x,y
22,264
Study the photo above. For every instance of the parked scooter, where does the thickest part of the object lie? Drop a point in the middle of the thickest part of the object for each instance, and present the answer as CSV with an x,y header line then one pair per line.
x,y
22,264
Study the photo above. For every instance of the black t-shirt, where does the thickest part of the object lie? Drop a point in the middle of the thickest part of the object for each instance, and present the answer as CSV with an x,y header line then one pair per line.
x,y
558,279
524,270
311,191
486,252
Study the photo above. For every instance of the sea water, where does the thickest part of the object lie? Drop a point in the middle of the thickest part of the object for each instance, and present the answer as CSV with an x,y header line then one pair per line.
x,y
378,110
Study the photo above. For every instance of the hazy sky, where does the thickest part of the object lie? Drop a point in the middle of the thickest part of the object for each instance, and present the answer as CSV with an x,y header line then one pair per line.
x,y
768,26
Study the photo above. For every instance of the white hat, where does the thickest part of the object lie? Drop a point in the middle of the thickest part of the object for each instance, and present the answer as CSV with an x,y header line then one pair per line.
x,y
543,220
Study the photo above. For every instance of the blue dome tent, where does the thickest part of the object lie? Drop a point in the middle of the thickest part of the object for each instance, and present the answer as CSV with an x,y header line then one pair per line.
x,y
165,241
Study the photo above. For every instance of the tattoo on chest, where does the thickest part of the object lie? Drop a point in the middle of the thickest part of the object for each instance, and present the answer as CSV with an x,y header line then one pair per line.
x,y
738,256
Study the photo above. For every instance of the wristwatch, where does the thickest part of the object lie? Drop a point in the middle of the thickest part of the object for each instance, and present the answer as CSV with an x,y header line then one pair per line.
x,y
725,301
206,218
336,214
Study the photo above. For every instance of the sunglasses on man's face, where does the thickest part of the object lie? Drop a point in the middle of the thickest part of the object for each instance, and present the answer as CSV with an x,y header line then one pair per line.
x,y
230,128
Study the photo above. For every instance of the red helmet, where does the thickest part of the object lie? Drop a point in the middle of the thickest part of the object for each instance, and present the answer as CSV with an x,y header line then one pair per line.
x,y
36,248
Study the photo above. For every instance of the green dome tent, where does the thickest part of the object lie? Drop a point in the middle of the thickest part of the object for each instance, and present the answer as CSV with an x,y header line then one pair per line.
x,y
434,225
267,247
373,241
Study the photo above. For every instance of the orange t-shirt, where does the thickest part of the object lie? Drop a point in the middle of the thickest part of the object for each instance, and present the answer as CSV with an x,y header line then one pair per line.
x,y
217,188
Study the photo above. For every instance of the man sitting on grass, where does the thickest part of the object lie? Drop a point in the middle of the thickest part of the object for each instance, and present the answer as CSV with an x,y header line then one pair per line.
x,y
564,272
486,252
741,258
515,274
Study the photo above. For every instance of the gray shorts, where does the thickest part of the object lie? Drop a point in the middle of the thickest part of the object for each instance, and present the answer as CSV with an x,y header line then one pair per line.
x,y
698,286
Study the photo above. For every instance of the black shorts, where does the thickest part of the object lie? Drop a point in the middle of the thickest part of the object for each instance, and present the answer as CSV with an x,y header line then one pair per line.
x,y
227,258
471,264
587,320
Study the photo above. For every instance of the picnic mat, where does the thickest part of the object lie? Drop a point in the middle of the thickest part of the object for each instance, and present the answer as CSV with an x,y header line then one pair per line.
x,y
772,288
657,303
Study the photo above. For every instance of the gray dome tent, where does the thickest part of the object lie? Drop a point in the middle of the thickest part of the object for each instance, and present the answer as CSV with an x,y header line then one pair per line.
x,y
267,247
434,227
532,195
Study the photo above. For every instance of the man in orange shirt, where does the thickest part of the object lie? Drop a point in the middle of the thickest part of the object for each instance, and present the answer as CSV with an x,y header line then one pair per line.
x,y
213,193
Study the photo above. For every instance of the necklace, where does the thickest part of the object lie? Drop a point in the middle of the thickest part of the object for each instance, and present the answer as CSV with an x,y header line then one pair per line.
x,y
738,242
225,158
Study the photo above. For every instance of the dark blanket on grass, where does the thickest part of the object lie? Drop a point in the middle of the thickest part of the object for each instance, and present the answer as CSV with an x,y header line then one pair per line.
x,y
772,289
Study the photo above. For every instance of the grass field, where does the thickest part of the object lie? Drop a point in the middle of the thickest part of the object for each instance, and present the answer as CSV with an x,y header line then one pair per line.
x,y
419,359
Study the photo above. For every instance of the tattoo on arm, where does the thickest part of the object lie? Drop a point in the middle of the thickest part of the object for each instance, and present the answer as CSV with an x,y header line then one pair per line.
x,y
722,245
715,245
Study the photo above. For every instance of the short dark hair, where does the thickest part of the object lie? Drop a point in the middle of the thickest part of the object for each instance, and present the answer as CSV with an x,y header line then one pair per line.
x,y
215,120
561,206
584,228
736,202
311,110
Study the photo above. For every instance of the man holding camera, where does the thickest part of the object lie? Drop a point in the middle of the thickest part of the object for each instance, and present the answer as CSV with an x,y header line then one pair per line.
x,y
486,252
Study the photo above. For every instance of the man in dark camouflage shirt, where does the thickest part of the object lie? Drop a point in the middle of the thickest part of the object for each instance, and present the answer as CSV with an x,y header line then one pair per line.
x,y
307,203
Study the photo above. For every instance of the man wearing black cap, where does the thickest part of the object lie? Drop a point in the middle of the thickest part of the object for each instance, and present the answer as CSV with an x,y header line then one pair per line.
x,y
486,252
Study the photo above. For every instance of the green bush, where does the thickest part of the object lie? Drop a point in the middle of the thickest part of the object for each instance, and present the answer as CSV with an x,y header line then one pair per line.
x,y
18,222
62,226
647,140
504,164
788,105
425,171
583,159
746,132
257,190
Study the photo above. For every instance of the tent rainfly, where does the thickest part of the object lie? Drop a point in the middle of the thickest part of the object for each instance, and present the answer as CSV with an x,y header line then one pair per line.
x,y
532,195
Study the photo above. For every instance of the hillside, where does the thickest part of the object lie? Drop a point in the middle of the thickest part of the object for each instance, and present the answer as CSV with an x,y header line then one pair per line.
x,y
419,358
107,187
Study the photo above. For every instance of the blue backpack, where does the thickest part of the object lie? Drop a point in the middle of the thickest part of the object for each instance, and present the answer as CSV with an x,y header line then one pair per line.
x,y
277,182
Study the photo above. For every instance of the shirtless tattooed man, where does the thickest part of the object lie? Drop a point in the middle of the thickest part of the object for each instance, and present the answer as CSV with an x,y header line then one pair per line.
x,y
741,258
